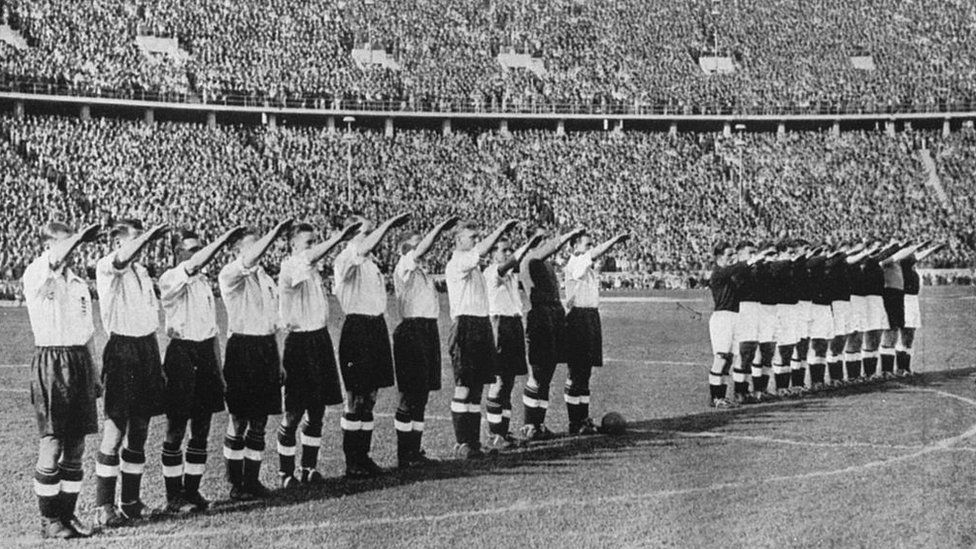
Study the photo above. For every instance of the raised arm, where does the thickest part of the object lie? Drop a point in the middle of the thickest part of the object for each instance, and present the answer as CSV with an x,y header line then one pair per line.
x,y
60,251
373,239
603,248
253,254
319,251
204,255
486,244
919,256
130,249
553,245
858,254
428,241
519,255
903,252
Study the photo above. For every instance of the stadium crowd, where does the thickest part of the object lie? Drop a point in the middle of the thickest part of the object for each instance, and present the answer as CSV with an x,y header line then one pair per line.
x,y
677,193
602,56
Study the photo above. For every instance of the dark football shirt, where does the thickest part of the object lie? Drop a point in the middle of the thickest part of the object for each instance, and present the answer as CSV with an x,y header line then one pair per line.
x,y
723,289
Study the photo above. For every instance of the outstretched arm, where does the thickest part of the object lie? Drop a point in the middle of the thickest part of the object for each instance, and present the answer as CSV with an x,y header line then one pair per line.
x,y
928,251
130,249
858,256
519,255
318,251
553,245
428,241
207,253
485,245
255,252
60,251
373,239
603,248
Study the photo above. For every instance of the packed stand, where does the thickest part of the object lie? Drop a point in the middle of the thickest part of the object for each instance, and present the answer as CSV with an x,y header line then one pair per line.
x,y
602,57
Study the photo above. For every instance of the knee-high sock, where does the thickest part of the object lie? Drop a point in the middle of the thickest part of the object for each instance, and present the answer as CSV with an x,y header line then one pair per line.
x,y
403,424
836,368
887,359
366,435
253,456
459,412
106,477
287,448
870,361
352,426
71,475
817,369
234,456
173,469
852,361
536,402
903,358
196,464
132,467
494,412
311,442
47,488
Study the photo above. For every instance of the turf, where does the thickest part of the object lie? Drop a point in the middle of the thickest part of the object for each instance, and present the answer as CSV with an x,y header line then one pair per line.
x,y
879,466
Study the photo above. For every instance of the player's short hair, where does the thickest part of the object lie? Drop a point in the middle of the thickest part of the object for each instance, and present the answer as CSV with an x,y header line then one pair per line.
x,y
52,229
125,227
720,248
404,244
577,237
353,218
800,242
743,244
188,234
783,245
503,241
248,231
465,226
300,228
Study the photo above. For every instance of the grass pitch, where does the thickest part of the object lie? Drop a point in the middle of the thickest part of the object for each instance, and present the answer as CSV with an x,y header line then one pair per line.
x,y
880,466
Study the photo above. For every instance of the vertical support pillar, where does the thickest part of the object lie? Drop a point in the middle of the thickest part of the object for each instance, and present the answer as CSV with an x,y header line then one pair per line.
x,y
330,124
149,117
561,128
19,108
211,119
446,126
389,127
85,113
946,128
503,127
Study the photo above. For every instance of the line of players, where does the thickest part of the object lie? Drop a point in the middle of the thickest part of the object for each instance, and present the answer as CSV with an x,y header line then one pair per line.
x,y
838,310
487,346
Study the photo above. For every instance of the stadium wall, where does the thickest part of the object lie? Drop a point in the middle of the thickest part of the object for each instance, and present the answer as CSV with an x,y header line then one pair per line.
x,y
382,117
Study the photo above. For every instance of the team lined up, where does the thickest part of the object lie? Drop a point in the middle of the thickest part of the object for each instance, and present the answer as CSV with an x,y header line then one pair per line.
x,y
487,344
836,309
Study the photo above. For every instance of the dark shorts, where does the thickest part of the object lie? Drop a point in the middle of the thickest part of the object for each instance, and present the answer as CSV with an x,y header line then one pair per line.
x,y
894,304
252,372
510,345
473,354
365,358
417,355
63,391
311,377
546,335
133,377
584,337
194,383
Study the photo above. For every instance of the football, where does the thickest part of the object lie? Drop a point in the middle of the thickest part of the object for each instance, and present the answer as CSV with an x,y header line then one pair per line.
x,y
613,424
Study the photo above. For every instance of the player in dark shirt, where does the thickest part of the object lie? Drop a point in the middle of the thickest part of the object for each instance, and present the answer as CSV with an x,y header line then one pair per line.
x,y
913,315
874,317
785,293
768,295
821,320
746,283
804,296
721,325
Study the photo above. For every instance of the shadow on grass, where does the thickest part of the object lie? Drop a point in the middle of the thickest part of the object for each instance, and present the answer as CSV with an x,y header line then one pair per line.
x,y
547,457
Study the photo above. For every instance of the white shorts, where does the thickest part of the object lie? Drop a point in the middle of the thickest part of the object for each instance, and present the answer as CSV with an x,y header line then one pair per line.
x,y
747,323
804,318
822,323
859,313
913,312
877,318
767,323
786,324
841,311
721,328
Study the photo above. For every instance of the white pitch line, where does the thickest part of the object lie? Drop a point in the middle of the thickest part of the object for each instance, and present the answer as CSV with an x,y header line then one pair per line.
x,y
6,366
771,440
18,391
655,362
522,506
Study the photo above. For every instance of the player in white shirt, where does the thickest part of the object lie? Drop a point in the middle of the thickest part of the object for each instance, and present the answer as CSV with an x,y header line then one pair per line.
x,y
365,357
505,310
131,371
194,382
584,337
252,367
471,343
64,380
311,377
416,343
